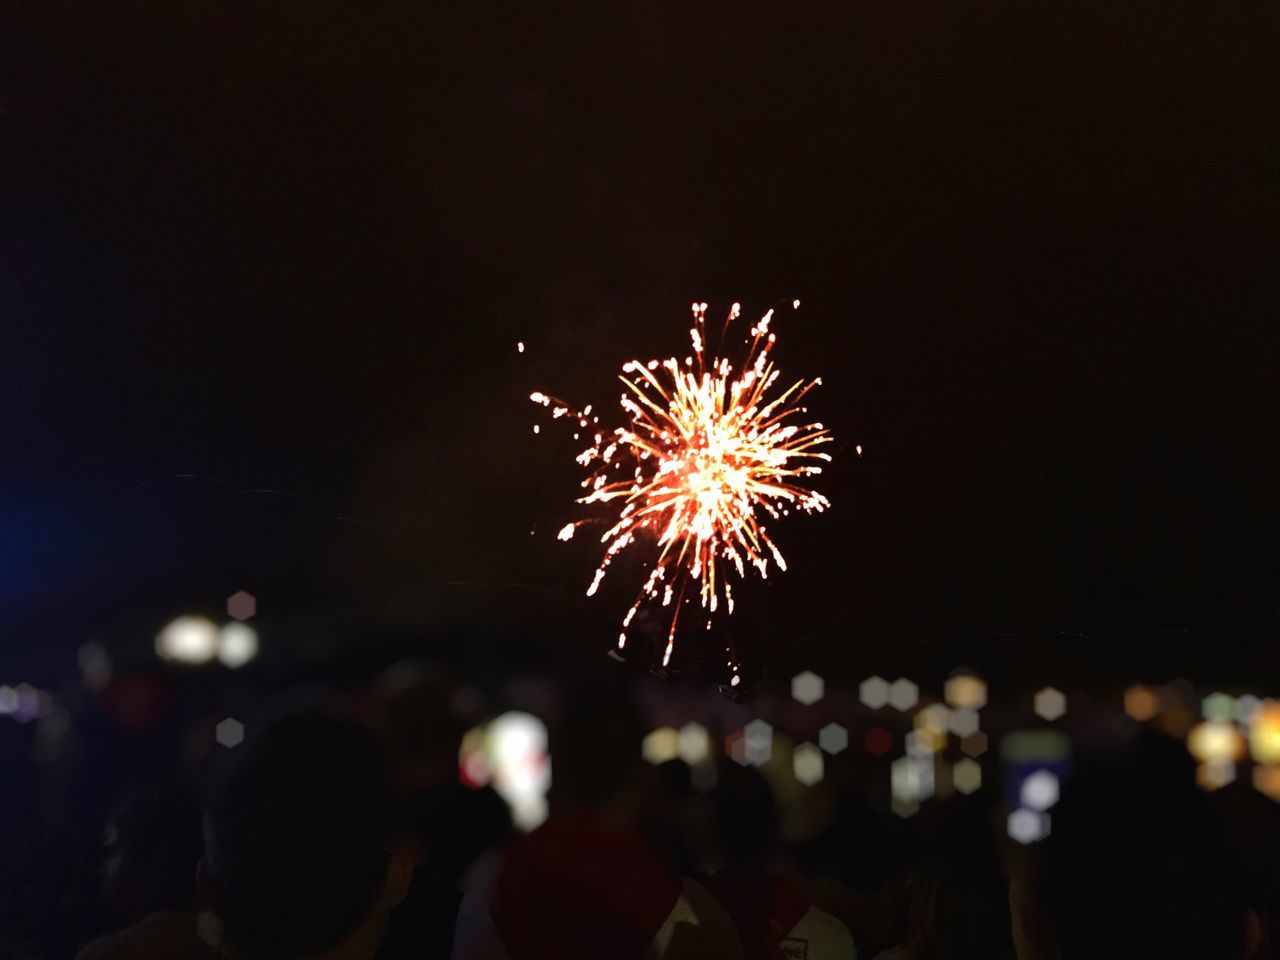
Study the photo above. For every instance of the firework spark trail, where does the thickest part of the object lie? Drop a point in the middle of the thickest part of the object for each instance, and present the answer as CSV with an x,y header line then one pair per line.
x,y
707,456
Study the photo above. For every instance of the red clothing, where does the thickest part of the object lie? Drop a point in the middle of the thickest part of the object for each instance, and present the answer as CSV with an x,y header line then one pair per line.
x,y
765,910
579,887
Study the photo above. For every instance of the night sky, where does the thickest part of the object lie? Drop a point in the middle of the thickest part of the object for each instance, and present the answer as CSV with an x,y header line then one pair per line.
x,y
291,247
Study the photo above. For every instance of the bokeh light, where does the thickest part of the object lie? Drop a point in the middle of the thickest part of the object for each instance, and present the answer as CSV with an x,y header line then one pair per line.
x,y
874,692
1214,774
878,741
964,691
229,732
807,764
1028,826
694,744
242,605
833,738
1213,740
1218,707
521,766
237,644
1266,780
903,694
1040,790
1141,703
966,775
757,742
933,718
963,722
1264,732
1247,707
924,742
1050,704
661,745
807,688
188,640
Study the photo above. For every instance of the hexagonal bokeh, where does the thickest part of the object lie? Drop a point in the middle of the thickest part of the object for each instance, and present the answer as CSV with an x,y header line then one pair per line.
x,y
757,742
1264,733
904,806
735,747
911,778
878,741
963,722
1266,780
229,732
807,688
974,745
1050,704
1141,703
660,745
833,738
924,743
1214,774
1219,706
966,775
1247,708
933,718
807,763
966,692
874,692
242,605
1028,826
1212,740
694,744
903,695
1040,790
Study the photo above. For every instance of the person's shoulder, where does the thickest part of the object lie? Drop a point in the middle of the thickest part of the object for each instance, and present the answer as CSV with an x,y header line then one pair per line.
x,y
169,935
825,936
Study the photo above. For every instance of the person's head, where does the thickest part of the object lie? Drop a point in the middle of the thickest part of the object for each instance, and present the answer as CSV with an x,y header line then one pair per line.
x,y
957,901
298,859
746,817
595,748
1140,865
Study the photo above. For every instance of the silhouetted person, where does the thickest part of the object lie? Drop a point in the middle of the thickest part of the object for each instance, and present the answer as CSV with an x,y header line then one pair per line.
x,y
1140,866
300,861
587,883
774,919
152,848
454,825
957,901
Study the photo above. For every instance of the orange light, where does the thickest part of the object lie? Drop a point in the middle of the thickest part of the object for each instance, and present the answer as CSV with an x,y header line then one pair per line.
x,y
1141,703
1264,734
1266,780
965,691
1215,774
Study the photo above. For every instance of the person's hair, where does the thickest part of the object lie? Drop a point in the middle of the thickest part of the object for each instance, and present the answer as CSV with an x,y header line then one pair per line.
x,y
1140,865
595,746
746,816
958,903
296,835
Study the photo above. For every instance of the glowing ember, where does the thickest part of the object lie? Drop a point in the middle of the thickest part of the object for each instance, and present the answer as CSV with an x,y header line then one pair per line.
x,y
708,455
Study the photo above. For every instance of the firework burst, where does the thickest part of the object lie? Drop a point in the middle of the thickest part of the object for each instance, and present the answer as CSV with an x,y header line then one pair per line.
x,y
708,456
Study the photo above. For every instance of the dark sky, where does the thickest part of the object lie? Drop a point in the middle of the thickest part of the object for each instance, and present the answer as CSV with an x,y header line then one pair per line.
x,y
291,246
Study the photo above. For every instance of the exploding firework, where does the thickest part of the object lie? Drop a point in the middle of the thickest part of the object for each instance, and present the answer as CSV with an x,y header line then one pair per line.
x,y
708,456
